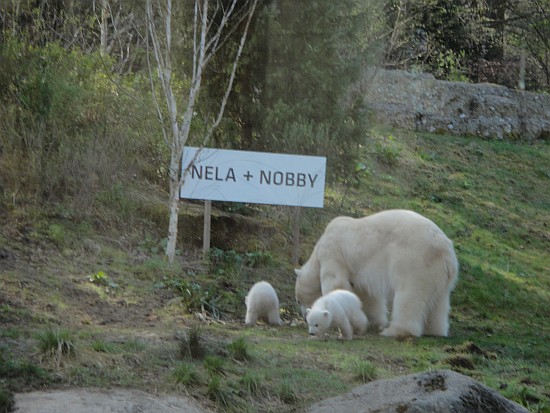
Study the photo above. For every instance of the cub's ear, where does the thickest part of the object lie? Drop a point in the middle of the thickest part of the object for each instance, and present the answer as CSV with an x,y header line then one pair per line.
x,y
308,310
325,313
298,272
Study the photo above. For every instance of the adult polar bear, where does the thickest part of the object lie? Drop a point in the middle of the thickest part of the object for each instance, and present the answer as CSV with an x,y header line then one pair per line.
x,y
397,257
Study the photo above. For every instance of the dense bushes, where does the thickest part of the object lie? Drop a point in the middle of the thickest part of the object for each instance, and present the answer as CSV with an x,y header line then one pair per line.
x,y
70,130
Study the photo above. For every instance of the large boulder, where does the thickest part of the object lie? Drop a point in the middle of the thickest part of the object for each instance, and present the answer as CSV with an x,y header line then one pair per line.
x,y
418,101
441,391
100,401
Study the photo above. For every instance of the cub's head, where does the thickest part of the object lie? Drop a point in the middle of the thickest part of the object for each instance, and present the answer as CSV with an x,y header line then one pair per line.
x,y
319,321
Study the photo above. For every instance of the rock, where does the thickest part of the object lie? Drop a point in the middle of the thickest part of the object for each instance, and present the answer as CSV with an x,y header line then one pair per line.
x,y
418,101
100,401
441,391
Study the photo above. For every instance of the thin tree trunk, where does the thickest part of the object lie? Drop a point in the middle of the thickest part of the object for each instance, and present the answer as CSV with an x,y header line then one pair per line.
x,y
104,14
204,48
173,206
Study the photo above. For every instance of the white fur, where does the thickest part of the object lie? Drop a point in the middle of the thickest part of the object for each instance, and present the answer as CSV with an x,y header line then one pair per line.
x,y
262,302
339,309
393,258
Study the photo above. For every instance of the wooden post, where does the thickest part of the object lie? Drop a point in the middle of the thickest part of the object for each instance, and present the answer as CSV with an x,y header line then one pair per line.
x,y
206,228
296,224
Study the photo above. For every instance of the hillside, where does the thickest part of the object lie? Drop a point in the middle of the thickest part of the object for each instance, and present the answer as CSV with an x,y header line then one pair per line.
x,y
92,303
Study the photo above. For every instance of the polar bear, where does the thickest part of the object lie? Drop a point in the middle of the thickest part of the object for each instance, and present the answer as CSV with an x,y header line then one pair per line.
x,y
339,309
397,258
262,302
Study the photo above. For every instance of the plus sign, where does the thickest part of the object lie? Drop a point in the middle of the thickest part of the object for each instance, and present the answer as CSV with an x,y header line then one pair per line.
x,y
248,175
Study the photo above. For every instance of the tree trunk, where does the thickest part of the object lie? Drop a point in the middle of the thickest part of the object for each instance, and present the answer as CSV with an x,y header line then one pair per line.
x,y
204,48
173,206
104,14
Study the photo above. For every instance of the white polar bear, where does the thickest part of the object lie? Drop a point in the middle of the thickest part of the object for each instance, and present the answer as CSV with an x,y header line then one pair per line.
x,y
262,302
339,309
397,257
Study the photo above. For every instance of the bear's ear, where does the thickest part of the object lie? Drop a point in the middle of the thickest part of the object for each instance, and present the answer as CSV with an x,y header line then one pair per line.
x,y
325,313
298,272
308,310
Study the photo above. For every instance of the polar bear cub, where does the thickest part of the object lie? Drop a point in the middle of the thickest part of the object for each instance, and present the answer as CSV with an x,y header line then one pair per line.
x,y
340,309
262,303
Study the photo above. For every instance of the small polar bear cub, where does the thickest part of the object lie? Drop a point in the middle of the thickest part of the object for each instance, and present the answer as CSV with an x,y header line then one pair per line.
x,y
262,302
340,309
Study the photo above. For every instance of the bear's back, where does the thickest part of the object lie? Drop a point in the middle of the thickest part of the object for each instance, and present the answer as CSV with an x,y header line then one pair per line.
x,y
381,237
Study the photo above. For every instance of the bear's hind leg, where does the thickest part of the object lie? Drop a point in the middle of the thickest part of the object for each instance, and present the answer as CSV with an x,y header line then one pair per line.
x,y
407,315
437,323
377,311
359,322
273,317
345,328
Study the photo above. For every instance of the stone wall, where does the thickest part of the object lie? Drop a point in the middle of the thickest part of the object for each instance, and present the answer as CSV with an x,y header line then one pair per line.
x,y
418,101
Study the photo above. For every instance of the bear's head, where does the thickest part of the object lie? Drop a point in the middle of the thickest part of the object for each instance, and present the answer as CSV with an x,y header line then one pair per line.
x,y
319,321
307,289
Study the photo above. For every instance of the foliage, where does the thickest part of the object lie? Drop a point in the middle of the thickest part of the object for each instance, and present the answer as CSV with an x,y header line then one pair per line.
x,y
251,384
296,82
101,278
214,364
287,392
7,401
239,348
102,347
186,374
198,298
363,370
483,194
471,40
387,150
219,393
191,345
64,136
56,343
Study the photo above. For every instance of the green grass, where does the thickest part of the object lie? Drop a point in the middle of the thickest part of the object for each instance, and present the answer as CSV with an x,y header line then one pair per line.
x,y
491,198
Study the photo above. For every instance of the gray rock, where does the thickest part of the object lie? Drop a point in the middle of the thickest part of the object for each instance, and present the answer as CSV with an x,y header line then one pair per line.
x,y
441,391
101,401
418,101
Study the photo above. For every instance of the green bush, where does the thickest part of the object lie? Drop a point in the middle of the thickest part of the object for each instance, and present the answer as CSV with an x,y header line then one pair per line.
x,y
186,374
7,401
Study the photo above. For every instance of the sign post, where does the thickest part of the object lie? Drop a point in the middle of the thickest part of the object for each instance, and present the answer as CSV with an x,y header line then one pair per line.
x,y
251,177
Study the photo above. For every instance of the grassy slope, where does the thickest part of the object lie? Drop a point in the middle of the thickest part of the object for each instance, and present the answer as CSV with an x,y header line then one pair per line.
x,y
491,198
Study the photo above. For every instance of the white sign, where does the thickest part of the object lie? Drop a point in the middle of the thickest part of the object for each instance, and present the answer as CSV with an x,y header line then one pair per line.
x,y
253,177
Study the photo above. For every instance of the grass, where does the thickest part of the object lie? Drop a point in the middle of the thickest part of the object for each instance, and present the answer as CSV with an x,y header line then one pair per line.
x,y
56,343
239,349
489,197
363,370
186,374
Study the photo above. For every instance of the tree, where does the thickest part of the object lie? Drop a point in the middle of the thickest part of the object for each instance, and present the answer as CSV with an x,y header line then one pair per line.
x,y
296,82
211,28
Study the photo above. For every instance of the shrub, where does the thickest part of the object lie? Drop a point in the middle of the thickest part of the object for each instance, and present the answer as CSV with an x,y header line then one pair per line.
x,y
363,370
286,392
7,401
214,364
239,349
251,384
186,374
218,393
191,345
56,343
